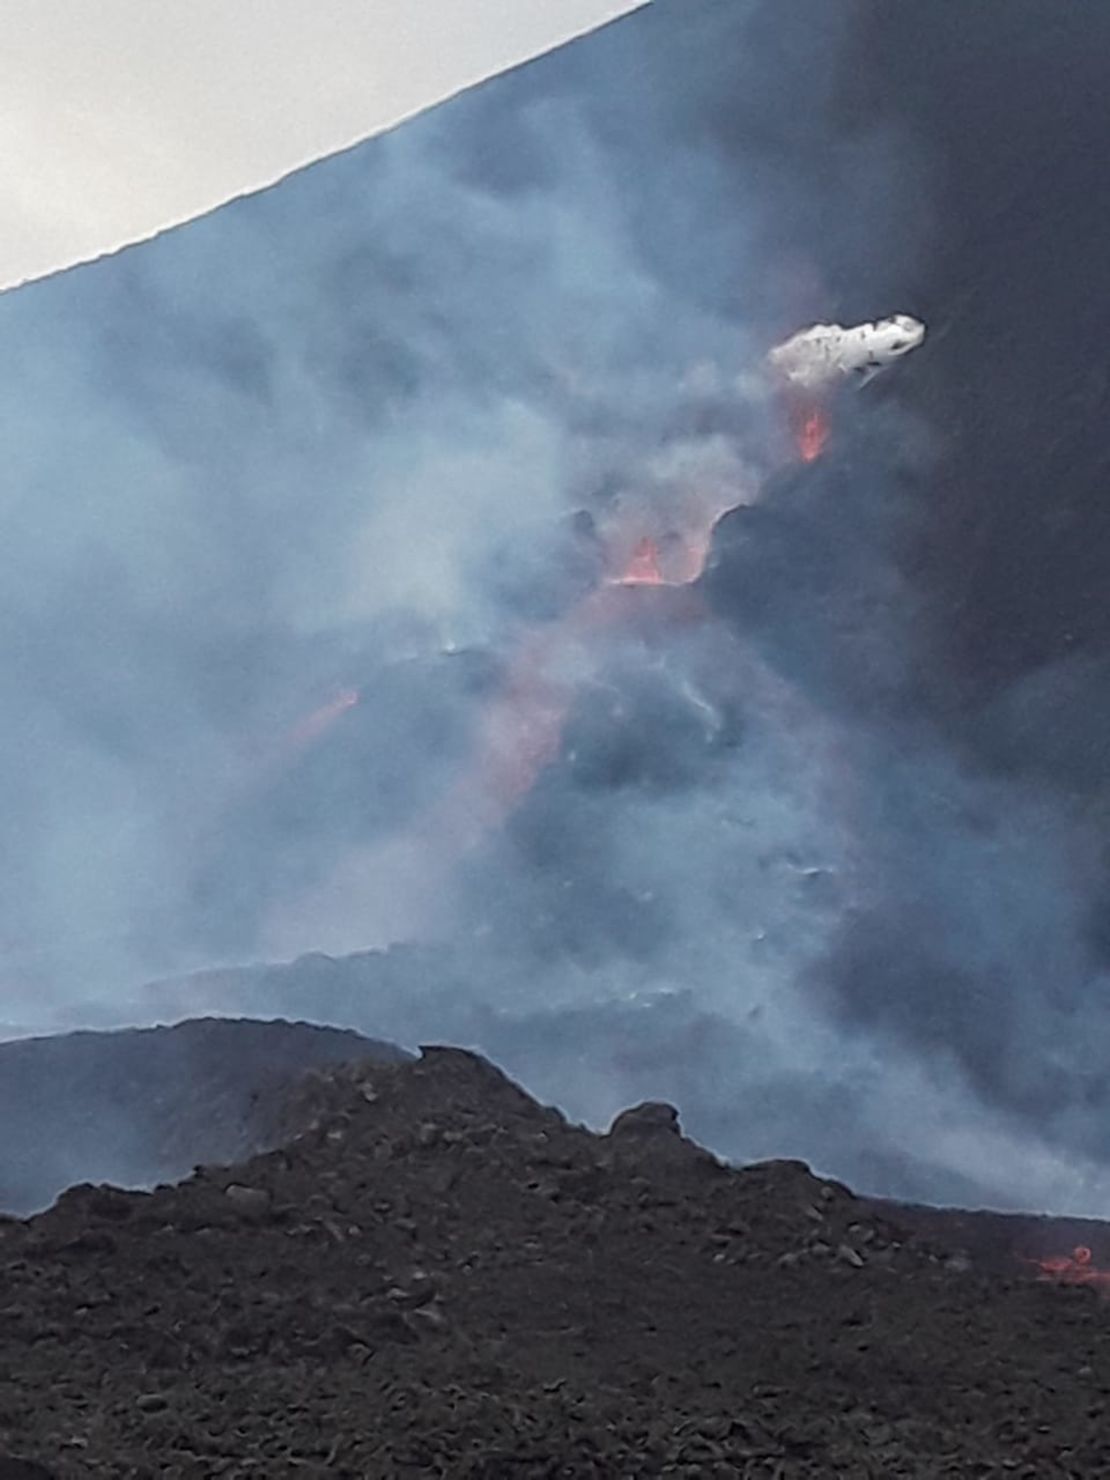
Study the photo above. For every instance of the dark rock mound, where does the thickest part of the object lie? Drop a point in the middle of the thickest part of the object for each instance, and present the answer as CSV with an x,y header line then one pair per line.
x,y
651,1119
435,1274
146,1105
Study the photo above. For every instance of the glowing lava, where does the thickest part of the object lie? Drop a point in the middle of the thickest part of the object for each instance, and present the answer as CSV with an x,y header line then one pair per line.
x,y
520,732
643,568
1076,1268
813,435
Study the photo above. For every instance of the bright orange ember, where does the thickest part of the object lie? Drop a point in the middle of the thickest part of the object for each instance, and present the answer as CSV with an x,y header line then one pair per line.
x,y
643,569
1076,1268
813,435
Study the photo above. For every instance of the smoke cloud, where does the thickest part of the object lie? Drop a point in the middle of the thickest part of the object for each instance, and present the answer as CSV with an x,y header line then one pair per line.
x,y
779,844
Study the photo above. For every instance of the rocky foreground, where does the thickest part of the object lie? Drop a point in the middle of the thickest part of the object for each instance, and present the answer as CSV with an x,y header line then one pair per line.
x,y
435,1275
144,1105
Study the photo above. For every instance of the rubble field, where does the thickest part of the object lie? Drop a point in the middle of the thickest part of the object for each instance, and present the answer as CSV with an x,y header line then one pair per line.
x,y
433,1274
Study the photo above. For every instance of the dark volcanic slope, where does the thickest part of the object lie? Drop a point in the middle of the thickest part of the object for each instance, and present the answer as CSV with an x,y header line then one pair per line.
x,y
148,1104
440,1276
1003,99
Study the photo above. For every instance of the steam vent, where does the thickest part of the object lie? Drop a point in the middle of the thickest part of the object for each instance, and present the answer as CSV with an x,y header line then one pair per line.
x,y
554,772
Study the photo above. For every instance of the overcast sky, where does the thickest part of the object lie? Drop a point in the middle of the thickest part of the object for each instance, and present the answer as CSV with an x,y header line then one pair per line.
x,y
125,116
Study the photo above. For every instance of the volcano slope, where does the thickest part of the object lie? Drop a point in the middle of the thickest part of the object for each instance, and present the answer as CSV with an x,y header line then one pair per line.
x,y
145,1104
436,1275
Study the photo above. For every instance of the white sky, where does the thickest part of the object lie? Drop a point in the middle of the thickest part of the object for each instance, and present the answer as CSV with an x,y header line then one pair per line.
x,y
121,117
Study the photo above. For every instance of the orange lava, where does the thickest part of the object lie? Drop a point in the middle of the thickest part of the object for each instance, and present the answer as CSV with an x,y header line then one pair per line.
x,y
808,423
813,435
643,568
520,732
1076,1268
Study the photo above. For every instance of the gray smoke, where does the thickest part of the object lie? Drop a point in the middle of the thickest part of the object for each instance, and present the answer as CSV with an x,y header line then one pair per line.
x,y
379,429
319,439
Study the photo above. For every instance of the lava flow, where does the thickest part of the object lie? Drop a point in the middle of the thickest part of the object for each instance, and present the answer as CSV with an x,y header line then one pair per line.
x,y
813,436
810,426
520,733
521,730
1076,1268
644,568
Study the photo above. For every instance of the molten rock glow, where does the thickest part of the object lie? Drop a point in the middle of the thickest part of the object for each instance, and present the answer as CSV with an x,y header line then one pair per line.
x,y
643,568
813,436
1076,1268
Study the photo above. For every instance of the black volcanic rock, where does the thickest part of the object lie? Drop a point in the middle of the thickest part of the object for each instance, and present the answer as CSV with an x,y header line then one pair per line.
x,y
651,1119
439,1275
146,1105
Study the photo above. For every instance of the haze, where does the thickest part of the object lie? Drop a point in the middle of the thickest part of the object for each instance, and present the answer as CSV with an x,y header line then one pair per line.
x,y
121,119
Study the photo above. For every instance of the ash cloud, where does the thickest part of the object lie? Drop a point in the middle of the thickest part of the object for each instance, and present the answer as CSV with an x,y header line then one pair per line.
x,y
821,850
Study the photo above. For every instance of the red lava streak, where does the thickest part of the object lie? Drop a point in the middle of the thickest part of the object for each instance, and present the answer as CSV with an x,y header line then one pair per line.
x,y
519,733
813,435
643,568
1076,1268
